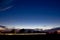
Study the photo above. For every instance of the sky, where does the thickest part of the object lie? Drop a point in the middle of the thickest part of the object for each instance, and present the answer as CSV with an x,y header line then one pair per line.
x,y
30,13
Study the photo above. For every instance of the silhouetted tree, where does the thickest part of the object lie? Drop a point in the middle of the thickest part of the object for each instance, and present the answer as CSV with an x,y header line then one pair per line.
x,y
22,31
34,31
29,31
12,31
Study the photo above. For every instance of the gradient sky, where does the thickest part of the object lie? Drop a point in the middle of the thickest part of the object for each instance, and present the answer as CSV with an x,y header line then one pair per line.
x,y
32,13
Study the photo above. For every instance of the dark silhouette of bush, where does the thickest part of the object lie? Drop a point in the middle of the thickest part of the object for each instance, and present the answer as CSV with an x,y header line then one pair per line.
x,y
35,31
29,31
55,32
13,31
22,31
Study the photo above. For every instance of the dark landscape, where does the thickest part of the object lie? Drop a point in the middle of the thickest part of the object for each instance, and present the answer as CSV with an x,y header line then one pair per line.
x,y
6,31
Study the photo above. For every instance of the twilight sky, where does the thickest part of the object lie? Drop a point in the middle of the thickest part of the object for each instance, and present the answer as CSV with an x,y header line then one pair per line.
x,y
30,13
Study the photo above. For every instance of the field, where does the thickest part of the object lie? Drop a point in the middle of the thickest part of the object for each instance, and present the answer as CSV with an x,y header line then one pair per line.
x,y
22,33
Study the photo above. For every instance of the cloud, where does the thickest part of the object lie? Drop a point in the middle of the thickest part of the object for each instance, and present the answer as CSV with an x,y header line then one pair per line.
x,y
4,9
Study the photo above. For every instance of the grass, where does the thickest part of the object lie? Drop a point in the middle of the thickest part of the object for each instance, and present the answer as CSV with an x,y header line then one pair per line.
x,y
22,33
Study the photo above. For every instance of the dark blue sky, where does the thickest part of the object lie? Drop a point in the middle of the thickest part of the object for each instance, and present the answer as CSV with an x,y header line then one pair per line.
x,y
31,13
